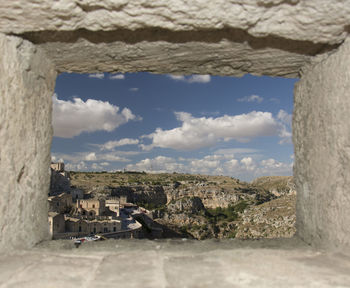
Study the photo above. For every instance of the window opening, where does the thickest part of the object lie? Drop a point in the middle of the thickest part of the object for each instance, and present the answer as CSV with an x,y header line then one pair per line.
x,y
167,156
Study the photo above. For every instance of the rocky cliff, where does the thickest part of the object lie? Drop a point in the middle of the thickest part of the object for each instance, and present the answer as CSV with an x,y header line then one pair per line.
x,y
202,207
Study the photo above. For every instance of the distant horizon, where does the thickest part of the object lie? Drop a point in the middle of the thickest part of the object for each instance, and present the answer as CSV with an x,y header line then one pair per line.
x,y
174,172
196,124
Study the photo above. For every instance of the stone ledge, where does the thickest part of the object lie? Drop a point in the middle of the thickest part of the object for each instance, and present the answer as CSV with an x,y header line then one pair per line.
x,y
175,263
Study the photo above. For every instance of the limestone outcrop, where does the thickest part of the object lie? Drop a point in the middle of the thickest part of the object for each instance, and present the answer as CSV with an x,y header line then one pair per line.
x,y
273,219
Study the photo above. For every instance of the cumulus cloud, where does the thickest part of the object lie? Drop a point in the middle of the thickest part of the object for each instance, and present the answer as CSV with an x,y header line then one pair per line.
x,y
248,163
251,98
285,127
177,77
81,166
110,145
199,79
91,156
92,161
115,156
284,117
245,168
71,118
159,164
97,75
205,132
192,78
117,77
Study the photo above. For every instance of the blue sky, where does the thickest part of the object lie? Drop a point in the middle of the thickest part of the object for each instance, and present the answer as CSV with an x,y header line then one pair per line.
x,y
240,127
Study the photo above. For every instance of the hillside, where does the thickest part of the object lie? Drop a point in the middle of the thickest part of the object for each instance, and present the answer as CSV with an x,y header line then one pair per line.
x,y
202,206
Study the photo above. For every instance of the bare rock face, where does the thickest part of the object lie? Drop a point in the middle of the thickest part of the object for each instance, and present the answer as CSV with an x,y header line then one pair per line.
x,y
211,197
26,83
191,205
276,185
273,219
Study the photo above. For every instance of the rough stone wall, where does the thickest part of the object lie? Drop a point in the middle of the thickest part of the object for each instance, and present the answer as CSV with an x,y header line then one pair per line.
x,y
270,37
321,135
26,85
261,37
319,21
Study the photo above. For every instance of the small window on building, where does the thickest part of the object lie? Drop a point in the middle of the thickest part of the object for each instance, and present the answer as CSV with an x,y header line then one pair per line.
x,y
114,229
79,228
58,204
93,205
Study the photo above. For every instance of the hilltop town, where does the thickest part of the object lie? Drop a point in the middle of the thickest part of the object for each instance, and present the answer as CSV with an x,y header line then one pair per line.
x,y
141,205
73,213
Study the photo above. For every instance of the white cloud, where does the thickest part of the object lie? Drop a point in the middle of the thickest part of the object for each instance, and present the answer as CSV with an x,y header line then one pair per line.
x,y
71,118
251,98
204,132
91,156
274,167
192,78
158,164
81,166
284,117
285,127
56,160
97,75
246,168
117,77
134,89
110,145
96,166
199,79
177,77
248,163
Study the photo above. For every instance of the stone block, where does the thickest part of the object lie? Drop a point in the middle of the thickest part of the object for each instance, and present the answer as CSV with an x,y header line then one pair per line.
x,y
321,136
26,87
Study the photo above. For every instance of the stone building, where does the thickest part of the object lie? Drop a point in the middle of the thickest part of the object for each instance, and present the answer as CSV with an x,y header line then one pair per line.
x,y
59,180
113,204
56,224
90,227
76,194
59,166
91,207
61,203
